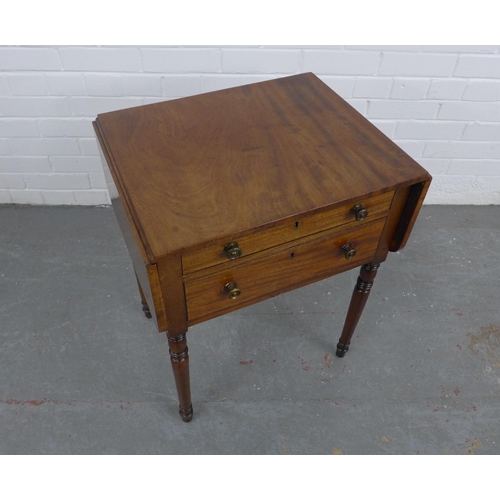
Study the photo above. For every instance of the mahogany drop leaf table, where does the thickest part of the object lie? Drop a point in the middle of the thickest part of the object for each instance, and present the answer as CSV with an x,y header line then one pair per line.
x,y
228,198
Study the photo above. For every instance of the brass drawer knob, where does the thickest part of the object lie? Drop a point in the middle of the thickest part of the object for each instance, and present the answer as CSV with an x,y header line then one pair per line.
x,y
359,212
232,290
349,252
232,250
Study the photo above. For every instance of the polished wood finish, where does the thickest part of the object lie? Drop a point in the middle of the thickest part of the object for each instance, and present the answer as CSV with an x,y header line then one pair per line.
x,y
213,165
287,230
180,365
145,268
280,271
358,301
231,197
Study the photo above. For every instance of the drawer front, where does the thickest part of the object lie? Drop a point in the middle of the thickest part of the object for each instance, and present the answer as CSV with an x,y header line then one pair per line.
x,y
261,278
376,206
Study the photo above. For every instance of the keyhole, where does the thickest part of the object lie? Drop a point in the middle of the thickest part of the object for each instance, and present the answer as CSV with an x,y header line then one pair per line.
x,y
297,225
292,255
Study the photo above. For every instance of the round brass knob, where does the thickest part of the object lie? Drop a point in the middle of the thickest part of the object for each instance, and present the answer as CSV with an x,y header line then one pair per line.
x,y
349,252
359,212
232,290
232,250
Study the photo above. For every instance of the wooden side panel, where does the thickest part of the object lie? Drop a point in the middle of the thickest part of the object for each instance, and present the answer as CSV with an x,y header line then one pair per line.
x,y
409,215
396,209
146,272
172,290
156,297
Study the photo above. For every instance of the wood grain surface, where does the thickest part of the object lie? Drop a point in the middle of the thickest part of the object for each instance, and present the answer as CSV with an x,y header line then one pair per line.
x,y
199,168
274,168
289,230
281,271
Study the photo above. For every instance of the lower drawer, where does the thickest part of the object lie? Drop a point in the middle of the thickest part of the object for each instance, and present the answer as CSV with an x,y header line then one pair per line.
x,y
262,278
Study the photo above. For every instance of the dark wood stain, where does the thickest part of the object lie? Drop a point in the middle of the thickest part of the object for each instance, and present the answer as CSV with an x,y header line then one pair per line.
x,y
221,162
274,168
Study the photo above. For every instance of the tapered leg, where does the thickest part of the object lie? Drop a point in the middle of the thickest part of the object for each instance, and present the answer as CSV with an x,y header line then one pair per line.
x,y
358,301
180,366
145,307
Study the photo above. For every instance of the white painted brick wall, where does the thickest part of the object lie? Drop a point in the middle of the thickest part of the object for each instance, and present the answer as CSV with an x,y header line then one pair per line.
x,y
5,147
26,84
251,61
427,129
375,88
441,104
399,64
34,106
340,62
485,66
181,60
101,59
4,88
409,110
485,90
449,89
57,181
409,88
65,84
30,59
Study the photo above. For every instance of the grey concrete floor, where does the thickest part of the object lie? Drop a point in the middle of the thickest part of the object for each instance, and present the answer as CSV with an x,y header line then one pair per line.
x,y
82,371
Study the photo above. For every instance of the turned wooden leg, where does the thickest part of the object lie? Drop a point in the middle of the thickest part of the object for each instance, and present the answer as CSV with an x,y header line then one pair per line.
x,y
180,366
145,307
358,301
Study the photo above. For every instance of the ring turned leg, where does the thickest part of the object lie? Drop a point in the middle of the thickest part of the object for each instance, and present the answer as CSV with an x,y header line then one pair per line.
x,y
180,366
358,301
145,307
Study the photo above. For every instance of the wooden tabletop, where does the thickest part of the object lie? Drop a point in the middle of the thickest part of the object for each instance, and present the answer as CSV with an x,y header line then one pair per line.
x,y
195,169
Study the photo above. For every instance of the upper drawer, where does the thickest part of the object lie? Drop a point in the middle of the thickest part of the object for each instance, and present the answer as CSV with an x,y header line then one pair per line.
x,y
292,229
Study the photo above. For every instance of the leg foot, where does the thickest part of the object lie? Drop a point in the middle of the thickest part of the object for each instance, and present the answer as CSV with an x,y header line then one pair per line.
x,y
146,311
341,349
359,297
180,365
187,414
145,307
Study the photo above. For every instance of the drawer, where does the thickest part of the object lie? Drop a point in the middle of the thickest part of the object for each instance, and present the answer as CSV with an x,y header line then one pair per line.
x,y
290,230
261,278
